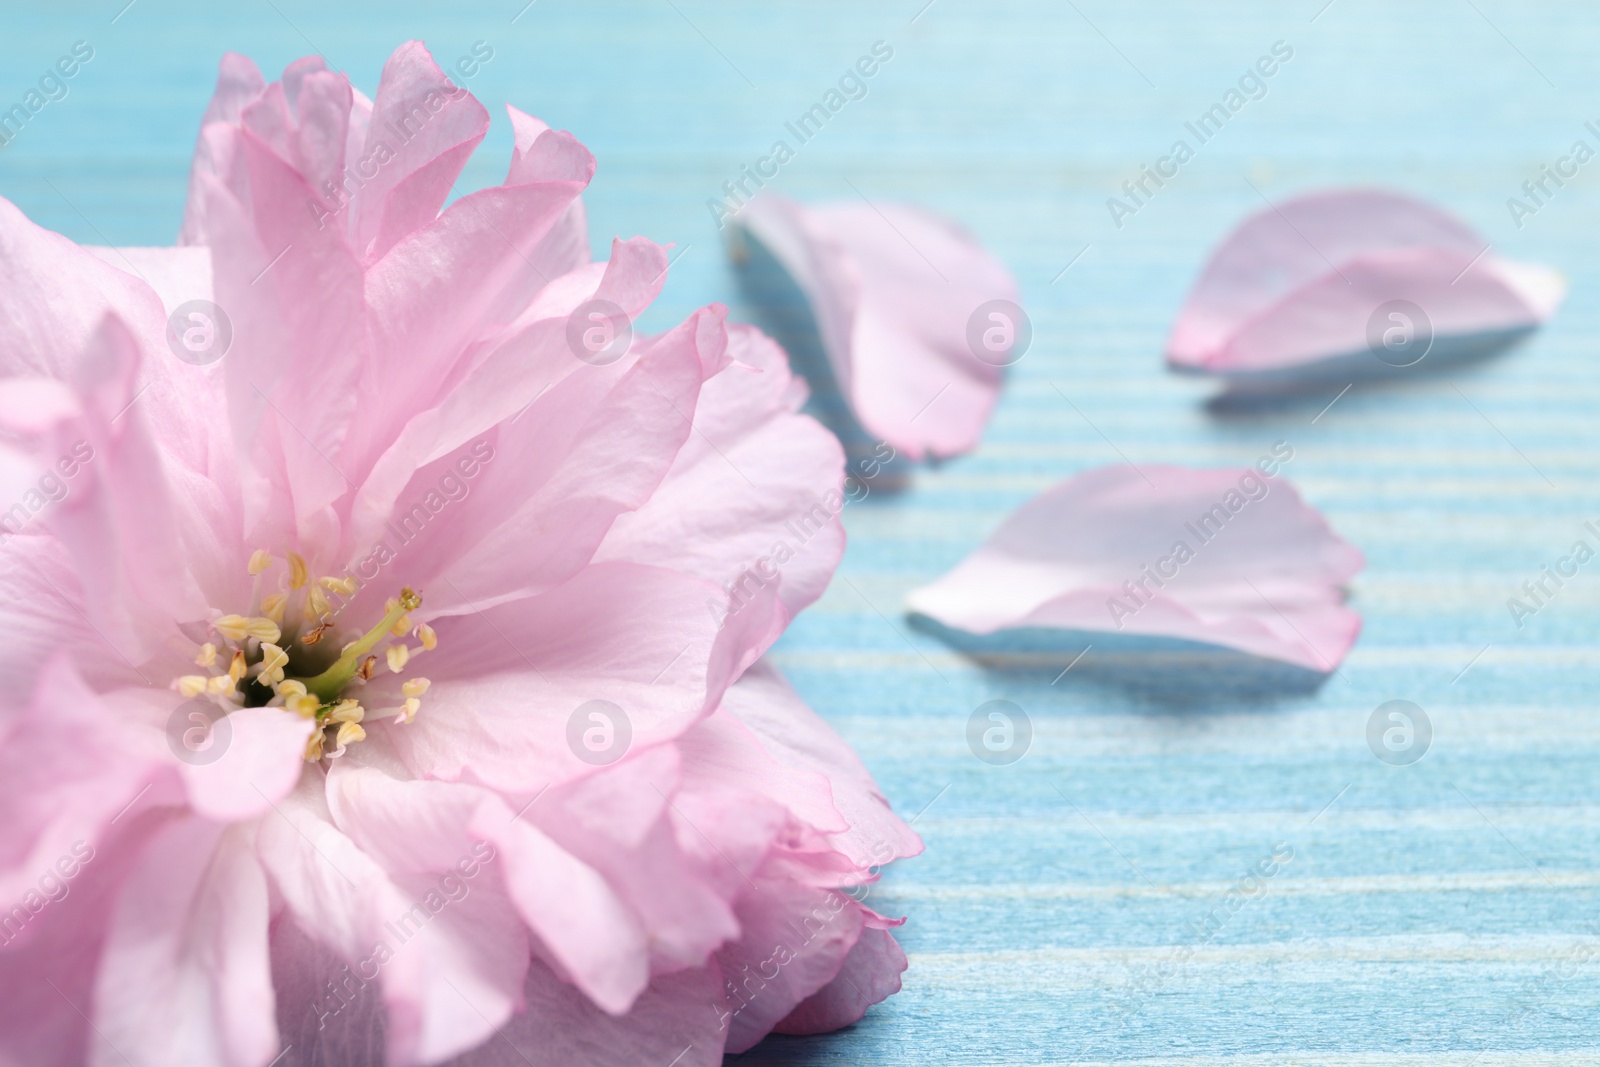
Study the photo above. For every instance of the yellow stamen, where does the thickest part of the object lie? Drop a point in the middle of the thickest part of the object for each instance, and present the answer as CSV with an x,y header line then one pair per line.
x,y
260,560
236,628
273,660
305,705
429,639
329,683
207,656
349,733
272,607
346,586
298,574
314,747
347,711
397,656
414,687
221,685
192,685
237,666
317,604
408,710
233,627
401,627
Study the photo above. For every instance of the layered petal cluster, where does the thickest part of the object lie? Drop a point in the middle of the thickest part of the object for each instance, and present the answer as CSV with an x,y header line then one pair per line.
x,y
385,689
916,317
1230,557
1362,278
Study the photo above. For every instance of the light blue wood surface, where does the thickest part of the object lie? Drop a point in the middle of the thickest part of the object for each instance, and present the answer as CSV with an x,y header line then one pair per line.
x,y
1442,913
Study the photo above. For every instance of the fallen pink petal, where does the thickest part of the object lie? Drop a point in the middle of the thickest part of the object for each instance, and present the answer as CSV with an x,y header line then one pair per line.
x,y
916,317
1230,557
1353,282
388,687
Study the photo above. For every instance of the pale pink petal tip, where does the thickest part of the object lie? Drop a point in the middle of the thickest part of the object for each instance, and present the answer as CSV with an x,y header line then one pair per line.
x,y
1231,557
1375,277
916,317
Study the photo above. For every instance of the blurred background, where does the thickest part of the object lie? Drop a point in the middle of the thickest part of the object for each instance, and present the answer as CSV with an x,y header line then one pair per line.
x,y
1443,911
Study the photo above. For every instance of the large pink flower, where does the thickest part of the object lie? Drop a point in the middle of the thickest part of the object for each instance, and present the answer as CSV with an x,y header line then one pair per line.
x,y
393,676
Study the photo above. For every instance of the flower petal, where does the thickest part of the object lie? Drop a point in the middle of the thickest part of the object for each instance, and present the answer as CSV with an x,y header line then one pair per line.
x,y
443,286
56,297
798,738
754,496
582,924
506,679
264,758
294,291
451,972
893,288
871,973
239,82
57,795
128,532
185,975
622,823
566,246
41,609
422,130
562,476
520,367
794,940
1300,283
425,826
1226,557
674,1023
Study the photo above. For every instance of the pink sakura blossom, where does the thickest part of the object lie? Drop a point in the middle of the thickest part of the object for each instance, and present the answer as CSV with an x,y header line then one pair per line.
x,y
1230,557
917,318
1327,281
376,689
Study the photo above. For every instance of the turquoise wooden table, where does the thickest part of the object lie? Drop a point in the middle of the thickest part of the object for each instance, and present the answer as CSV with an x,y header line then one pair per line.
x,y
1074,907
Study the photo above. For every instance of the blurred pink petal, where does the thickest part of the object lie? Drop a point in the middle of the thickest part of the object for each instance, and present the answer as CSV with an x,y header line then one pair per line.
x,y
308,813
895,291
1308,280
1225,557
